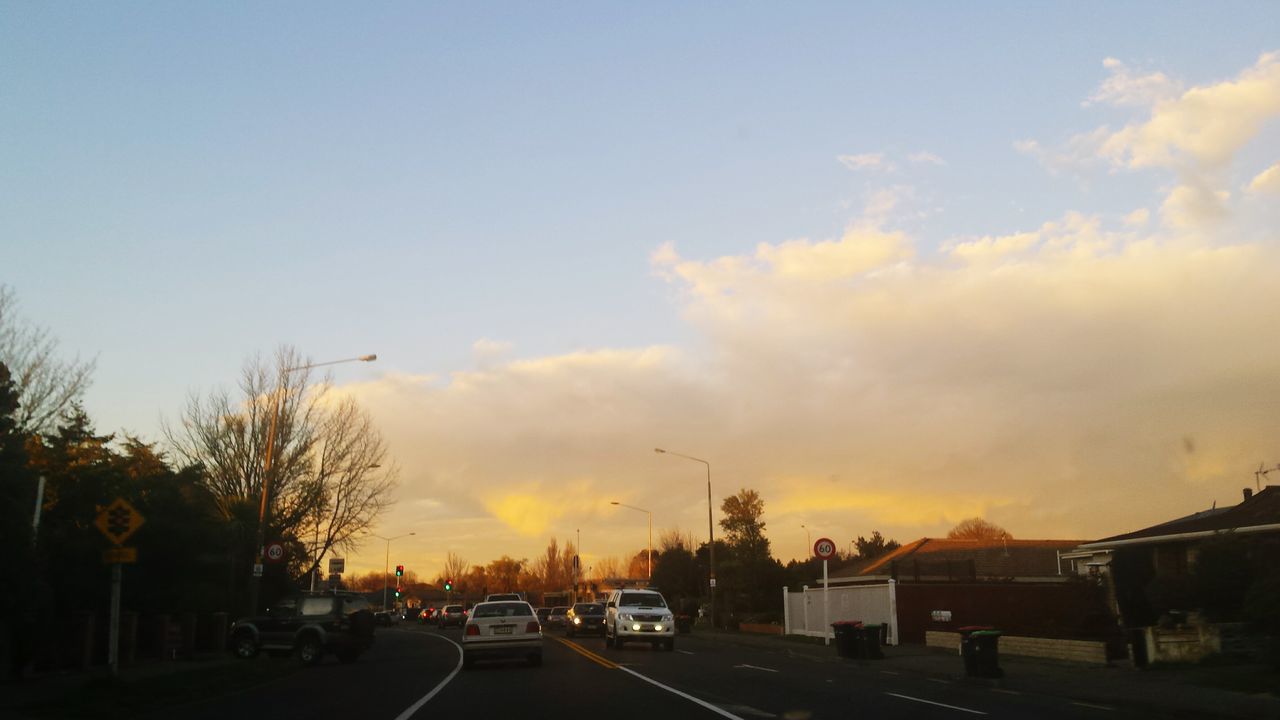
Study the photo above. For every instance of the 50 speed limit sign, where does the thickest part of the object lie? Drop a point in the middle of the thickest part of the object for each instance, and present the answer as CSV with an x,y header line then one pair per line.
x,y
825,548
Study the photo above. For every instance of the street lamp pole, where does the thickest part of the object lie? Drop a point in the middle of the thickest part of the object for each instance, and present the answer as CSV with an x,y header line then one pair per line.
x,y
261,536
808,553
650,556
386,562
711,535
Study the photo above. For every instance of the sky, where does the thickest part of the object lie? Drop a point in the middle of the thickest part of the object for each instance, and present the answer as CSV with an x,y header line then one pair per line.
x,y
890,265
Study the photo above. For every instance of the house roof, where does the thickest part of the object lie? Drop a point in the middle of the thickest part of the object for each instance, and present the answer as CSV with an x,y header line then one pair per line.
x,y
1258,511
991,558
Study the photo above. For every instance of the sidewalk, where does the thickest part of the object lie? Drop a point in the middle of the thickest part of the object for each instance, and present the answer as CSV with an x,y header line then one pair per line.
x,y
1169,692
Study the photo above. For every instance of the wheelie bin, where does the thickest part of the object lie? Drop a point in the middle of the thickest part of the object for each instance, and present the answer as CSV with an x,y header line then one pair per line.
x,y
981,651
848,635
871,642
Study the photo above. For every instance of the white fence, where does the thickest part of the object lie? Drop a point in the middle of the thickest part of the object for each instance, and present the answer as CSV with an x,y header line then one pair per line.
x,y
803,611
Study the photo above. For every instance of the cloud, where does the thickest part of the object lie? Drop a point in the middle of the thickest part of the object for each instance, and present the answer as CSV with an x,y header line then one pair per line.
x,y
1126,88
1267,181
926,158
1204,127
1138,218
867,161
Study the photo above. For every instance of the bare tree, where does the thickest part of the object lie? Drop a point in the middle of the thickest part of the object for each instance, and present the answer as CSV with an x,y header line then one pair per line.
x,y
329,480
455,568
674,539
607,569
46,385
978,529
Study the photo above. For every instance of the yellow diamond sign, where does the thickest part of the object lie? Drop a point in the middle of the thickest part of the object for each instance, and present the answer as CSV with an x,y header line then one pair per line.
x,y
118,521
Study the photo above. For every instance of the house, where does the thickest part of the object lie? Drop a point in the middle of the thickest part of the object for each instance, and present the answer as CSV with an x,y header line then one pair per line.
x,y
1150,567
946,559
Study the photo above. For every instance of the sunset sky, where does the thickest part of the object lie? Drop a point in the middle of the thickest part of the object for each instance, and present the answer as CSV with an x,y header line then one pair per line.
x,y
890,266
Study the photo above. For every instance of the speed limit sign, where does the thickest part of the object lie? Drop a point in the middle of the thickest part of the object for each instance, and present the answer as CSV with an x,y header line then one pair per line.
x,y
824,548
275,552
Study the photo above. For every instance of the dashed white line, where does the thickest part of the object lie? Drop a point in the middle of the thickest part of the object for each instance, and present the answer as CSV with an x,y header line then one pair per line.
x,y
426,698
713,708
930,702
890,672
941,682
1006,692
756,667
1091,705
686,652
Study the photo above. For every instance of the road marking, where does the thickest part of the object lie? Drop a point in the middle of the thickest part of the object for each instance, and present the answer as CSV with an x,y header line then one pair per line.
x,y
1091,705
713,708
1006,692
756,667
586,653
890,672
942,682
425,698
686,652
930,702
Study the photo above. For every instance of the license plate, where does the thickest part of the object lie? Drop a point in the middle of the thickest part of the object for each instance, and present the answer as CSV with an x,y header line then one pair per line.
x,y
502,629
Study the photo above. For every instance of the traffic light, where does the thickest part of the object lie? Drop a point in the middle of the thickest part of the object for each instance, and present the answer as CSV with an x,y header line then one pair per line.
x,y
399,571
448,585
397,592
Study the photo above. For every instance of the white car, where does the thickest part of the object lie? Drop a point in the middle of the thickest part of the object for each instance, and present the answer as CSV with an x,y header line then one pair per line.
x,y
506,629
638,615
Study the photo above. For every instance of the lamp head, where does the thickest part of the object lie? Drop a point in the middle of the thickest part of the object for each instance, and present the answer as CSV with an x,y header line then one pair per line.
x,y
659,450
368,358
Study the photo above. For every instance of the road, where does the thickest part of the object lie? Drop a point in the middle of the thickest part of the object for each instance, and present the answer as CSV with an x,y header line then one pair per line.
x,y
415,672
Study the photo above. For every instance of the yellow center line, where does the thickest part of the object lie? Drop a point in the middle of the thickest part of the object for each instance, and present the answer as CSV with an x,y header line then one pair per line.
x,y
586,653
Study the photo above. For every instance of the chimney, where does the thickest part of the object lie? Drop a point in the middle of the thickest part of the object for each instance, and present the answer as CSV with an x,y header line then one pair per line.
x,y
1248,493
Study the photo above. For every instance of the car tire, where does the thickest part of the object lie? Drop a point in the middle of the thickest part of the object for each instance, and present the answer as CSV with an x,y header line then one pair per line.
x,y
309,650
608,639
244,646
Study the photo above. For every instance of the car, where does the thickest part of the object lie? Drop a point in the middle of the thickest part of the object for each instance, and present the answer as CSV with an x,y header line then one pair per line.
x,y
494,597
310,625
543,614
585,619
452,615
427,615
638,615
557,617
386,617
502,630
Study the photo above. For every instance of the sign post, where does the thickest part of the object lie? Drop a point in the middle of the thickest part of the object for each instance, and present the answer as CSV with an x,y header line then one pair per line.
x,y
825,549
117,521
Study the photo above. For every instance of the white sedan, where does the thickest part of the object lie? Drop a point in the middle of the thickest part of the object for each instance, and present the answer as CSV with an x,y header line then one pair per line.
x,y
504,629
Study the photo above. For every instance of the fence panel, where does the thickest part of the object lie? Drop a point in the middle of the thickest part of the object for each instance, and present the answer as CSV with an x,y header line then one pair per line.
x,y
867,603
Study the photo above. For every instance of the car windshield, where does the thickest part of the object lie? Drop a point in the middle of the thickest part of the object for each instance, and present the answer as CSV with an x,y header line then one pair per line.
x,y
502,609
453,609
634,599
588,609
559,610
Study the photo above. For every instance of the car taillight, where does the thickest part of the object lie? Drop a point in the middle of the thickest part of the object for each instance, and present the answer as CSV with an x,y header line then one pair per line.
x,y
473,629
532,627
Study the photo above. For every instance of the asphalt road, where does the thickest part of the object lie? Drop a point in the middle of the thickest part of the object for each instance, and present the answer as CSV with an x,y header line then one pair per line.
x,y
415,672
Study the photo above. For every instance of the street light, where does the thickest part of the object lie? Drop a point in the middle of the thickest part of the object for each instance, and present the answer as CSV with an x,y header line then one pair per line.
x,y
386,562
711,535
633,507
261,540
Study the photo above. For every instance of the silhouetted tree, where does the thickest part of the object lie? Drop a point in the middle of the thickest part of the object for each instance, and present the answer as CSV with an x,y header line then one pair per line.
x,y
978,529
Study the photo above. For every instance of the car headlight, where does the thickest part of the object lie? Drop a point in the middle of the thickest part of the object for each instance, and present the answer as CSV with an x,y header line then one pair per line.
x,y
577,621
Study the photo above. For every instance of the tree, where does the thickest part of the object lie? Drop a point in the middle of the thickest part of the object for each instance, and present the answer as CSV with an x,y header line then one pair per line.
x,y
328,478
875,546
455,568
504,574
750,574
46,386
742,521
608,568
978,529
638,567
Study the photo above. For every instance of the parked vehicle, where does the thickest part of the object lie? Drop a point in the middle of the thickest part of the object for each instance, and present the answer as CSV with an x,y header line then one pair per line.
x,y
638,615
494,597
502,630
585,619
452,615
543,614
311,625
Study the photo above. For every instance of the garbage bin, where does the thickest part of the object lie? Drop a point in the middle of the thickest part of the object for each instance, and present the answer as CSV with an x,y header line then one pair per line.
x,y
871,641
981,651
848,638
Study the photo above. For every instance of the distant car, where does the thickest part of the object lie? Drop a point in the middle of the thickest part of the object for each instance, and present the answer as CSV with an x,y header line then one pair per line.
x,y
543,613
311,625
585,619
556,619
506,629
494,597
427,615
638,615
452,615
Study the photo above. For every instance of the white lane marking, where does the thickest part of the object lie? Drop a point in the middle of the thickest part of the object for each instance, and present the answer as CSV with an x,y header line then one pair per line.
x,y
425,698
754,712
930,702
717,710
755,667
943,682
1091,705
890,672
686,652
1006,692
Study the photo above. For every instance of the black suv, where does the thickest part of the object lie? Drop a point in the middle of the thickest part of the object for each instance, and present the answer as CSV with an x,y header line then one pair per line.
x,y
311,625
